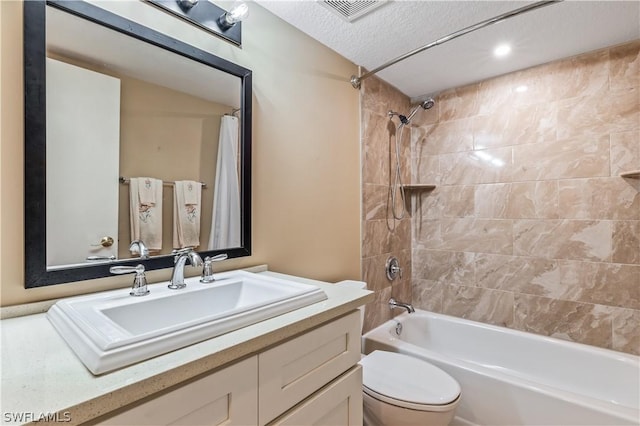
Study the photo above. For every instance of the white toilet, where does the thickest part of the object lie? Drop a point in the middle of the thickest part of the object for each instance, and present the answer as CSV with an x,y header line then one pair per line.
x,y
401,390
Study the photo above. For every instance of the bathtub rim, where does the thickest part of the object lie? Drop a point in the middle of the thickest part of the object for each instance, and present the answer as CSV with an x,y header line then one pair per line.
x,y
383,335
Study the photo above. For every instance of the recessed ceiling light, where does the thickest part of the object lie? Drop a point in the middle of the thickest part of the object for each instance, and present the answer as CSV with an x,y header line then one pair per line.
x,y
502,50
521,89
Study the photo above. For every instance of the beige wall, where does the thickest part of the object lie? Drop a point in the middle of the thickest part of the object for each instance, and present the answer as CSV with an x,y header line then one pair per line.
x,y
306,179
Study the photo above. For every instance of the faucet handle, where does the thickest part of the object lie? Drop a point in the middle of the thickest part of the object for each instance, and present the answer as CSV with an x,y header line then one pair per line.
x,y
139,287
207,270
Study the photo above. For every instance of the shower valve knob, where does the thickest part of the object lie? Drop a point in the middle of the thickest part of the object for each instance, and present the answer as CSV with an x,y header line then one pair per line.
x,y
393,268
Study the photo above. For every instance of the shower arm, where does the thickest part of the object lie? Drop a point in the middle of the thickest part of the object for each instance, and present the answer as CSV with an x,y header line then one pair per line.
x,y
356,81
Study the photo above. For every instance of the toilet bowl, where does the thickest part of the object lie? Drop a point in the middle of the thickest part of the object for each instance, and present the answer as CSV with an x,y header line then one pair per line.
x,y
401,390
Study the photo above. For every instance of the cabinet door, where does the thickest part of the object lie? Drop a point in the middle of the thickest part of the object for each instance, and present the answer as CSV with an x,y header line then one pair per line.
x,y
291,371
226,397
337,404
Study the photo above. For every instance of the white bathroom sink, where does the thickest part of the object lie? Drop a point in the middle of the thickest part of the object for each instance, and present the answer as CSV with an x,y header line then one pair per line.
x,y
113,329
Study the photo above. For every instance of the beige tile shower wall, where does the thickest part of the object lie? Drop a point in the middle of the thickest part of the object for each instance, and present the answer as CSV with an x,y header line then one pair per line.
x,y
382,236
531,226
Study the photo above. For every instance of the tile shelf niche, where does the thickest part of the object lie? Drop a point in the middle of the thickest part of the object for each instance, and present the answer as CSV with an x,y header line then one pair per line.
x,y
419,187
634,174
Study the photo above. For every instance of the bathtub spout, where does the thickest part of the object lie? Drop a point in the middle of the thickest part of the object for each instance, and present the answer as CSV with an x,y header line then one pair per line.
x,y
393,303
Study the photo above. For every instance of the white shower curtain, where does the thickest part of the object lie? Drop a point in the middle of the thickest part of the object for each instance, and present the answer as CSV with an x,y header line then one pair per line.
x,y
225,221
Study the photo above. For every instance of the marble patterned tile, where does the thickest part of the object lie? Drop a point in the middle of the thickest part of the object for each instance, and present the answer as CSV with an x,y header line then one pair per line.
x,y
625,152
401,286
426,170
497,92
377,312
586,74
374,201
477,167
572,158
515,126
624,67
518,200
443,267
403,281
518,89
427,295
479,304
445,137
610,284
380,97
447,201
373,272
405,155
462,102
460,201
490,200
574,321
600,114
429,204
533,200
426,233
626,333
598,198
563,239
477,235
375,149
626,242
378,239
529,275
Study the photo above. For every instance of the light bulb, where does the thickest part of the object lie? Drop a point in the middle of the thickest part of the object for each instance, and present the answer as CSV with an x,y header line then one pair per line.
x,y
187,4
239,12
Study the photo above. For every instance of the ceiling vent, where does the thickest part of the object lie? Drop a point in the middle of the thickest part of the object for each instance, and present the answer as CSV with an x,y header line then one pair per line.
x,y
353,9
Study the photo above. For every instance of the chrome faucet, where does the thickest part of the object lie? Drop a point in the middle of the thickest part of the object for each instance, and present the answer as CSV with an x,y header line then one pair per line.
x,y
138,247
181,257
393,303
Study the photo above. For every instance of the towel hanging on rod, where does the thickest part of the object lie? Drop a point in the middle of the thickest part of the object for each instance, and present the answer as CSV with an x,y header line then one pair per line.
x,y
126,181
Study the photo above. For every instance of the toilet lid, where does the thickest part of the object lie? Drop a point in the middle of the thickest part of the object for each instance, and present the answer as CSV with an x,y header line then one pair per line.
x,y
403,378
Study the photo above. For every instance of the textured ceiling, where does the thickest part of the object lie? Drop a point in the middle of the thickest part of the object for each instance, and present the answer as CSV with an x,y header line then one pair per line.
x,y
543,35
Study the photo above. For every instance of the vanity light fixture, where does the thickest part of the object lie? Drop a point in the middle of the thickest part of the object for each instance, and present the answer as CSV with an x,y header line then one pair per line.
x,y
209,17
521,89
502,50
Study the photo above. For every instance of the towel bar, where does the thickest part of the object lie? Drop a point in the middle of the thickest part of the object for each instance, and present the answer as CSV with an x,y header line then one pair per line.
x,y
126,181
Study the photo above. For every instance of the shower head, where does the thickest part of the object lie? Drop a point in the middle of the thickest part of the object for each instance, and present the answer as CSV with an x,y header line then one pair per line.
x,y
426,104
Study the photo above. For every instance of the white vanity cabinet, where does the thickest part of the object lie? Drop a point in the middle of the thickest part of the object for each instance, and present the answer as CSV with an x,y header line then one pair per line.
x,y
228,396
310,379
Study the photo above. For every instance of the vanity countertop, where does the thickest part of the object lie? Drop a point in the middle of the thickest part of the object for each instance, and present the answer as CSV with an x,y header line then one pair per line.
x,y
42,376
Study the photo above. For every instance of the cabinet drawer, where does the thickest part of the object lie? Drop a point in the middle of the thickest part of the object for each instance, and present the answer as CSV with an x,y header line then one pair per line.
x,y
228,396
337,404
290,372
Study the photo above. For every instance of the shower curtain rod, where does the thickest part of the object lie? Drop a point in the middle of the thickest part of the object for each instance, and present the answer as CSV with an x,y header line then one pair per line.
x,y
356,81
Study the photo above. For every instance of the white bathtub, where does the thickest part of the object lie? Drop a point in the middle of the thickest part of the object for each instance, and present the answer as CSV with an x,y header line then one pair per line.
x,y
510,377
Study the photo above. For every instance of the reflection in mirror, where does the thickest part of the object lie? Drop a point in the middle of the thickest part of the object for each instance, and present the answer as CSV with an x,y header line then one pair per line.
x,y
146,139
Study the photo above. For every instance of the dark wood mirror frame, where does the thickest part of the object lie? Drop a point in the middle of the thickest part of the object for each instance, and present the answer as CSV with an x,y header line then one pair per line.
x,y
36,272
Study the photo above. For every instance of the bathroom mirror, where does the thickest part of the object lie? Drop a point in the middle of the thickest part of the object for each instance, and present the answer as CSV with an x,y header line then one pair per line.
x,y
107,98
